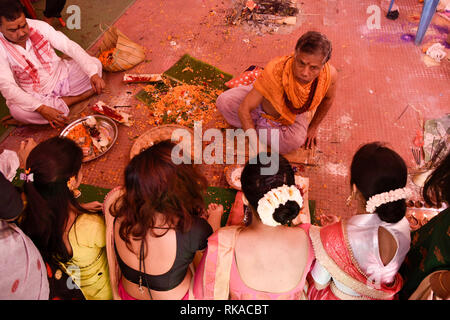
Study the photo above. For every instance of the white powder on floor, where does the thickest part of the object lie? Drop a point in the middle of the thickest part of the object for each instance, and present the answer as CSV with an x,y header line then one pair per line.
x,y
345,120
337,169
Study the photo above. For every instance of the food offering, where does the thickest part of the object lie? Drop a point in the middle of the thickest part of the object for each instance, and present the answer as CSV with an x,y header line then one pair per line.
x,y
107,57
118,52
141,78
94,134
115,114
183,104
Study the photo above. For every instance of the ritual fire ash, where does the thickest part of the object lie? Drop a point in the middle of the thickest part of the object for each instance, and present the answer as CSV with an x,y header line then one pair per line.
x,y
263,13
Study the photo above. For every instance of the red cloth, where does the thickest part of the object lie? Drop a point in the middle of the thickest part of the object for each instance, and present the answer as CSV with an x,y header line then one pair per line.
x,y
125,296
29,7
334,243
245,79
236,216
314,294
26,70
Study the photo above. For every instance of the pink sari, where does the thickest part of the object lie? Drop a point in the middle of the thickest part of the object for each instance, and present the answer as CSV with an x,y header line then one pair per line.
x,y
334,253
218,268
24,274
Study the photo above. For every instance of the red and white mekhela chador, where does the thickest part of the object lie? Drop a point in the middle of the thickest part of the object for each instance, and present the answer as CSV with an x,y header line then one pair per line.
x,y
36,76
348,265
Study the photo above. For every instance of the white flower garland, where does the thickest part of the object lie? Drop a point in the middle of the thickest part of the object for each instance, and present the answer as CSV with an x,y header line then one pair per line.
x,y
385,197
273,199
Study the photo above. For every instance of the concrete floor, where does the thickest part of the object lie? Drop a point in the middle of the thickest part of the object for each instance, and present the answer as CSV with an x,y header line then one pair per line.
x,y
379,75
94,18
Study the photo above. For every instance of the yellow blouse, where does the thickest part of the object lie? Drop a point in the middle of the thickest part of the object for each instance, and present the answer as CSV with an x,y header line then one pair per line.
x,y
89,265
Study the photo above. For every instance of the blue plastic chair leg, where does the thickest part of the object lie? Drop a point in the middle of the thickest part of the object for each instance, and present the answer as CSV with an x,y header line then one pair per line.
x,y
390,5
429,8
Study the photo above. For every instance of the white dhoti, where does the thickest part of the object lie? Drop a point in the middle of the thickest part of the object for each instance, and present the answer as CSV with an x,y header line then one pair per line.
x,y
33,75
74,82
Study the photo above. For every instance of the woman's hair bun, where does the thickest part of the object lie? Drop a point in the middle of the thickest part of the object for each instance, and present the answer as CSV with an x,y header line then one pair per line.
x,y
287,212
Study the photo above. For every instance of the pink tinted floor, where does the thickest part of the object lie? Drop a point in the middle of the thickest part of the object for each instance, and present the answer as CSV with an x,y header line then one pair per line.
x,y
379,75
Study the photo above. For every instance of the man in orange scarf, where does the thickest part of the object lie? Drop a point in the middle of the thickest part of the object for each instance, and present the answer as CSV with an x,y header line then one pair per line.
x,y
292,95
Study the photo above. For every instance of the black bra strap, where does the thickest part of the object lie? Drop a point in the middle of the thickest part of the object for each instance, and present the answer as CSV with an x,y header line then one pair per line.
x,y
142,264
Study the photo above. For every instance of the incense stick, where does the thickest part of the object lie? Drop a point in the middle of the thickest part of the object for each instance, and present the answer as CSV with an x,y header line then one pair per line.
x,y
407,106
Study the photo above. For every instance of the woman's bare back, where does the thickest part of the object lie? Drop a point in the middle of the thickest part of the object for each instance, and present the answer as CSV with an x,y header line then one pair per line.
x,y
272,263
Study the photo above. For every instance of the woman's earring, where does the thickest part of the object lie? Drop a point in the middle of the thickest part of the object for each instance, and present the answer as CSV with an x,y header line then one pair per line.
x,y
70,185
246,219
350,198
76,193
244,200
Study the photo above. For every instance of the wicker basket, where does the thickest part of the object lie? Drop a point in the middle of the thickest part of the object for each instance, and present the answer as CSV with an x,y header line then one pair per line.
x,y
127,53
158,134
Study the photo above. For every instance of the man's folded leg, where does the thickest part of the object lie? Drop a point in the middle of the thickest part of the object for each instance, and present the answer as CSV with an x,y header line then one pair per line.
x,y
30,117
78,81
290,137
74,88
229,101
77,86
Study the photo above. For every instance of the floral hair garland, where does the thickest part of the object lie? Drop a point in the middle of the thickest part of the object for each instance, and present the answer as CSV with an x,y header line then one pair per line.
x,y
385,197
273,199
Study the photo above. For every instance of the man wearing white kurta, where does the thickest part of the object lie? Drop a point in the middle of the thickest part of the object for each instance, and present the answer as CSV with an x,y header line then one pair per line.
x,y
38,85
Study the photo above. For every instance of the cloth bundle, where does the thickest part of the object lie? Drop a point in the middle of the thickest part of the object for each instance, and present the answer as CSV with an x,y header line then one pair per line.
x,y
246,78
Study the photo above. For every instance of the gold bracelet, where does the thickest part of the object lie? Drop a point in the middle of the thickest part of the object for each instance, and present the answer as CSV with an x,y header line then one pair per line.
x,y
441,283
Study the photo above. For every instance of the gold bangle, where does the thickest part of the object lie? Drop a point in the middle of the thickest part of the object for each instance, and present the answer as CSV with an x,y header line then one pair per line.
x,y
441,283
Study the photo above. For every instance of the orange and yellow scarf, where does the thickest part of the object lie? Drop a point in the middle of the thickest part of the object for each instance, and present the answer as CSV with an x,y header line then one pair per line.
x,y
277,84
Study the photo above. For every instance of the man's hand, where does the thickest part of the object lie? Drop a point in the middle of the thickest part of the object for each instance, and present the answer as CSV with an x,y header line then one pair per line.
x,y
24,150
311,139
321,111
92,206
250,102
54,117
98,84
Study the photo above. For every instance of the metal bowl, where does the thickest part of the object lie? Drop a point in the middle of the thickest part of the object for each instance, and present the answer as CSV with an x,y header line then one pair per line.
x,y
103,122
158,134
229,173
